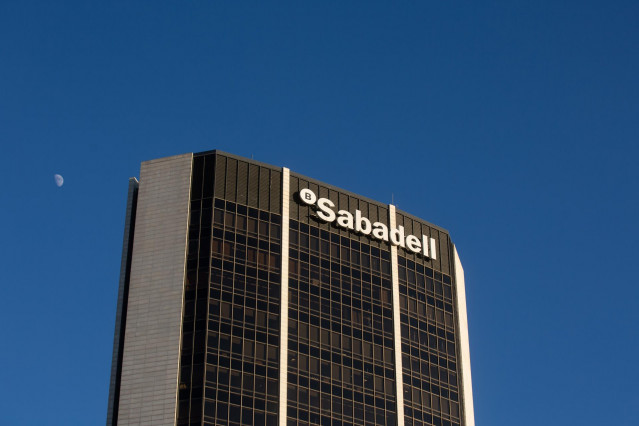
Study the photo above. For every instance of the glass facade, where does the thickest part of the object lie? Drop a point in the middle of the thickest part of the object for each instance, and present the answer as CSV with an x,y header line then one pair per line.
x,y
340,368
429,362
229,364
341,360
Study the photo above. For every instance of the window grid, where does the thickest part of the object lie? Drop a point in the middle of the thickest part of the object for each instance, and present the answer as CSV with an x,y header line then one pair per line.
x,y
340,330
427,321
242,357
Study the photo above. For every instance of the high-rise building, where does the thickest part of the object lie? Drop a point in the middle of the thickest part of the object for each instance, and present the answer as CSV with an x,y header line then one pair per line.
x,y
250,294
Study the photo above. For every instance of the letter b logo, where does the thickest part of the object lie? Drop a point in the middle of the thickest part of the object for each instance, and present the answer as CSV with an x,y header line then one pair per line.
x,y
308,197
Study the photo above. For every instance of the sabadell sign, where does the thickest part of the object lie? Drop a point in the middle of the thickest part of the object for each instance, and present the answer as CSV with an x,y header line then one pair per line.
x,y
357,223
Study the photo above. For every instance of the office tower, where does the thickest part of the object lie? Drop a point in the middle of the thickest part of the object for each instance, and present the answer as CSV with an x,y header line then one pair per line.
x,y
250,294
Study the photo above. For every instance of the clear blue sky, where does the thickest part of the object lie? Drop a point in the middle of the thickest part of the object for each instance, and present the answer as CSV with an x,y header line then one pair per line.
x,y
513,124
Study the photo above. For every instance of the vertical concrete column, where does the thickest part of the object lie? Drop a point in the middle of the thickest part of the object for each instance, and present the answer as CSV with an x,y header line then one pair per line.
x,y
468,413
150,362
286,195
397,331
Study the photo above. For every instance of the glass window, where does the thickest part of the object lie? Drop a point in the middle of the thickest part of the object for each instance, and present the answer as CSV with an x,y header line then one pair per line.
x,y
264,229
252,225
275,231
241,223
273,353
303,331
314,399
229,220
314,365
325,337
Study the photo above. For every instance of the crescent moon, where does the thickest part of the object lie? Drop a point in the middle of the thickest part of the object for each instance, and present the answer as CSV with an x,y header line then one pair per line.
x,y
59,180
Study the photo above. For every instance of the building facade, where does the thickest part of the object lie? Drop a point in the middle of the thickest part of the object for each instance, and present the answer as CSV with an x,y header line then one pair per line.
x,y
250,294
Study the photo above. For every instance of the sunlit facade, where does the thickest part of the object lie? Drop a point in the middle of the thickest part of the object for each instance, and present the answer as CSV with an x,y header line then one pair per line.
x,y
242,302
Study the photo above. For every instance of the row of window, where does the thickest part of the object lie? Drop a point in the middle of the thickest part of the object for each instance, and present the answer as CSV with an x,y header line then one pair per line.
x,y
348,251
423,339
430,377
246,225
362,415
328,365
420,311
428,293
423,284
243,290
428,407
225,380
241,209
403,262
423,325
226,250
222,412
236,307
351,318
253,345
415,417
372,294
340,287
337,334
333,237
323,249
336,409
333,275
344,379
424,355
344,347
377,304
250,241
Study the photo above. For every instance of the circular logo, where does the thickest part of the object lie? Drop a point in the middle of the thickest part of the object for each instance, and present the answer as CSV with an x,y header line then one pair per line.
x,y
308,197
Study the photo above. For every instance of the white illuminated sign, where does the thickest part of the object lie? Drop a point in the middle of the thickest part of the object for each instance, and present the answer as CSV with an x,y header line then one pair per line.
x,y
358,223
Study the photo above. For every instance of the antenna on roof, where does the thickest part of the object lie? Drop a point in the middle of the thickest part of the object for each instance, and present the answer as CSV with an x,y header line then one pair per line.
x,y
392,198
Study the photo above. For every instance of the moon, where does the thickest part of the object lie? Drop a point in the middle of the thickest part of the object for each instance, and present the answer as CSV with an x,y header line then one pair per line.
x,y
59,180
